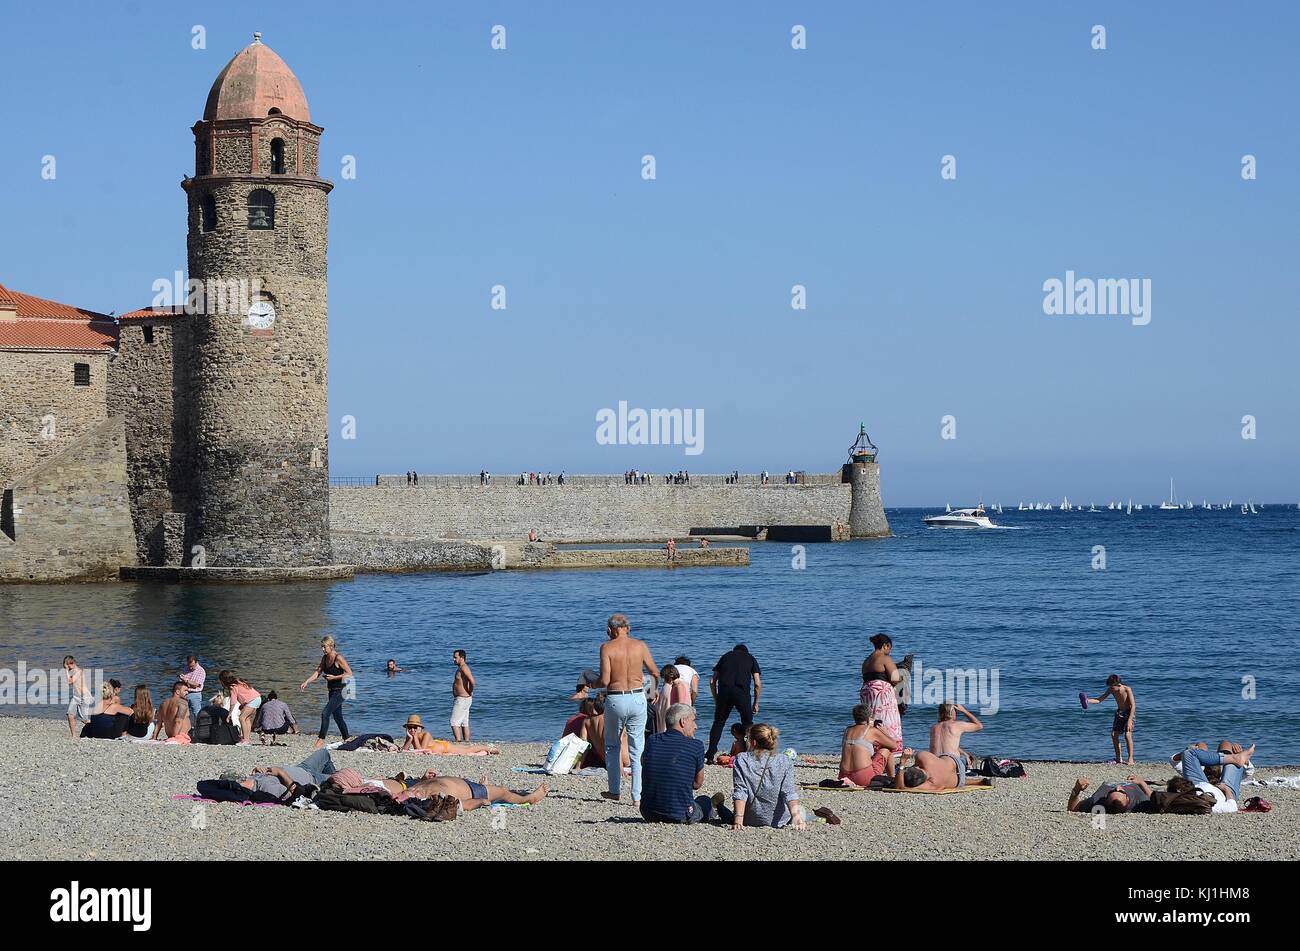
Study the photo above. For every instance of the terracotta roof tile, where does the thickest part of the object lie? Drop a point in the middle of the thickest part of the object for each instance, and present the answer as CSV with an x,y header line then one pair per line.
x,y
48,325
41,334
152,313
29,306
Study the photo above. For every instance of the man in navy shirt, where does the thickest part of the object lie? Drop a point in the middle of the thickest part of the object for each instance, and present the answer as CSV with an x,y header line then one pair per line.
x,y
733,675
673,768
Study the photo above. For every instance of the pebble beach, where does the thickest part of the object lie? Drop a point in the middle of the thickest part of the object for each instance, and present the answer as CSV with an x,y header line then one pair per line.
x,y
112,800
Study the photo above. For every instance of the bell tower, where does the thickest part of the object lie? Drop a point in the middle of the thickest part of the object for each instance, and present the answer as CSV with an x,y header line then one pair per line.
x,y
257,330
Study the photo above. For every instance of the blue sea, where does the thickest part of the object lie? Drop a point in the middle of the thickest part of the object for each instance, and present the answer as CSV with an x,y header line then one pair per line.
x,y
1196,610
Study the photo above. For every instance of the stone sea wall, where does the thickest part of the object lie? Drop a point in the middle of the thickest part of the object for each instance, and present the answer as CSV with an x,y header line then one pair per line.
x,y
580,512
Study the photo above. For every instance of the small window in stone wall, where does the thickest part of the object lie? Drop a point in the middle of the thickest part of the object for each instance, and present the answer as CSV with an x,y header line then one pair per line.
x,y
277,156
81,374
261,210
208,211
148,334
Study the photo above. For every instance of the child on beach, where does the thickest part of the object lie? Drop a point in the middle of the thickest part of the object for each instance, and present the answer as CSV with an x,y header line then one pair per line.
x,y
1124,715
740,738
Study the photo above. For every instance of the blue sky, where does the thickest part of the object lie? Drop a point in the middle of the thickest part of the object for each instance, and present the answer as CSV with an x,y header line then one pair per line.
x,y
775,167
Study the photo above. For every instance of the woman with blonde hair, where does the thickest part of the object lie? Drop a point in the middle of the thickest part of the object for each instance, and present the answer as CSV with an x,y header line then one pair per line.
x,y
764,791
335,669
141,713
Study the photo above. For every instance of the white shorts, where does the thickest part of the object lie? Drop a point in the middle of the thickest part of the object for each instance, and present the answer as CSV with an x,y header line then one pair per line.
x,y
460,710
81,708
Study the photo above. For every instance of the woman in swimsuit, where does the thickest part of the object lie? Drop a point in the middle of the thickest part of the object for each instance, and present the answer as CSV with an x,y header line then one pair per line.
x,y
336,671
879,675
420,740
867,750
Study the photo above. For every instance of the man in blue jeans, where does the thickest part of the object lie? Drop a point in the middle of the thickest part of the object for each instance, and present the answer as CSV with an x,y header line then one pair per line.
x,y
193,676
674,770
622,660
1196,762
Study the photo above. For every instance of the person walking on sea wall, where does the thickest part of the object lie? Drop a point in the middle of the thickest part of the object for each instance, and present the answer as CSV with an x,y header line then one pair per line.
x,y
334,667
622,659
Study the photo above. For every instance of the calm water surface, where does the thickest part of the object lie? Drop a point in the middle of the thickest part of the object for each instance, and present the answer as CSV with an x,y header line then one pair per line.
x,y
1190,603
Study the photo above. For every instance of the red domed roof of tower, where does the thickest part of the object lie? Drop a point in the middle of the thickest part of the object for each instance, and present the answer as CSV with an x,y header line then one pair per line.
x,y
253,84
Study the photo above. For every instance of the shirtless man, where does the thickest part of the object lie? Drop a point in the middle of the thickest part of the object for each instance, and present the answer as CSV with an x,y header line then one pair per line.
x,y
174,715
471,795
83,701
593,731
1125,715
462,690
935,773
945,736
622,660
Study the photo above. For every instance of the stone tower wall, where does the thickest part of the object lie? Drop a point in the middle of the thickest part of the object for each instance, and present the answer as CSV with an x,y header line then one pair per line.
x,y
867,512
147,390
258,401
41,410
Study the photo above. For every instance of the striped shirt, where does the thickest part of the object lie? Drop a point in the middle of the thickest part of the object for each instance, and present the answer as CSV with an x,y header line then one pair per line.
x,y
669,765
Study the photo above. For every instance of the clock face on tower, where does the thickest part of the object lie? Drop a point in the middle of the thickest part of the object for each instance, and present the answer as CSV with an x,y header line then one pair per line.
x,y
261,315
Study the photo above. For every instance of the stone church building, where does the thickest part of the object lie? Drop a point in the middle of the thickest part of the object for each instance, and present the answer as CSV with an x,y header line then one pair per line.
x,y
194,434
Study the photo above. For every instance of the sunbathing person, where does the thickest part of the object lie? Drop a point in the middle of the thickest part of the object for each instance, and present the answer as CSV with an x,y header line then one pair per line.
x,y
1112,797
420,740
935,773
1218,773
174,715
945,736
315,770
111,718
471,795
867,751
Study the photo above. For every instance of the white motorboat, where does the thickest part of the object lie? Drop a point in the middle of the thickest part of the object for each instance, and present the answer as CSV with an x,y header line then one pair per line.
x,y
961,518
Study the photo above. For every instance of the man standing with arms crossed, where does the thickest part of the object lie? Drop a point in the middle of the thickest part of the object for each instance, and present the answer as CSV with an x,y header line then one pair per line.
x,y
462,694
622,660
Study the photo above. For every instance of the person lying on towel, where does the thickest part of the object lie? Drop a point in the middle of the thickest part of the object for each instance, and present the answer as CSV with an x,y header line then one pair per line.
x,y
935,773
471,795
420,740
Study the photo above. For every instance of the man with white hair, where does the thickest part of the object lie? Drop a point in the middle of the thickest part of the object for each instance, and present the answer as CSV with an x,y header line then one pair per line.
x,y
623,659
673,768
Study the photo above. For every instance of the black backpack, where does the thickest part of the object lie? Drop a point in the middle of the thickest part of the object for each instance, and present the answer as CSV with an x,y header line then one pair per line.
x,y
213,726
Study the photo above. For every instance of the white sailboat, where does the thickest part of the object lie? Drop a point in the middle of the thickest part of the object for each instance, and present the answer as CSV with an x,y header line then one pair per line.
x,y
1171,504
1130,507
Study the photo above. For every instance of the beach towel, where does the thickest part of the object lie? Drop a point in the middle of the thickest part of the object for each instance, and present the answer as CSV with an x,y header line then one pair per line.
x,y
820,787
227,790
541,770
1281,782
934,792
